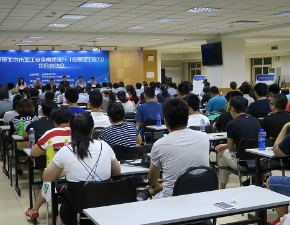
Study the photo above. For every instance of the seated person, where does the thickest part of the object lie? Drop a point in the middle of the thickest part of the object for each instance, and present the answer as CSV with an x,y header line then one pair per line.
x,y
34,98
5,103
233,86
72,97
183,90
216,102
163,95
132,94
206,97
139,89
261,107
245,90
273,90
83,97
242,126
171,90
128,105
195,117
115,87
10,114
120,132
14,91
84,160
273,124
49,96
47,88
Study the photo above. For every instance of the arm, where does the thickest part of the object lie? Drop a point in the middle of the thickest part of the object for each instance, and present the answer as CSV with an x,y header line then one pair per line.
x,y
25,135
153,175
51,173
139,139
138,123
36,151
208,111
282,140
115,168
231,144
282,135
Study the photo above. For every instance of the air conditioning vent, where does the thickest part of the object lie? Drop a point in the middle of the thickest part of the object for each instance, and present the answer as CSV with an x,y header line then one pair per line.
x,y
274,47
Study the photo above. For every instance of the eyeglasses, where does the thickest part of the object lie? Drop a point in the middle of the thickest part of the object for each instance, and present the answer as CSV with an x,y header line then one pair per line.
x,y
271,103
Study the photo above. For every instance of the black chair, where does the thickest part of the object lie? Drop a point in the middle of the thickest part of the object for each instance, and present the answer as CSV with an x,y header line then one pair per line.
x,y
208,129
130,115
130,153
97,131
97,194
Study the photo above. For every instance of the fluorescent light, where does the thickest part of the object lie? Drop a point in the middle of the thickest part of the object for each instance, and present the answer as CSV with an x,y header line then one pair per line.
x,y
58,25
209,29
36,37
22,44
142,42
196,45
102,38
165,20
201,9
282,14
27,41
243,22
273,40
96,5
88,41
250,43
175,52
126,45
160,39
79,17
138,27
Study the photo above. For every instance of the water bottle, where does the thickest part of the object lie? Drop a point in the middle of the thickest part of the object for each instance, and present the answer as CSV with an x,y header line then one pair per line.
x,y
39,112
66,143
133,106
202,127
49,153
262,140
158,119
20,127
31,138
64,101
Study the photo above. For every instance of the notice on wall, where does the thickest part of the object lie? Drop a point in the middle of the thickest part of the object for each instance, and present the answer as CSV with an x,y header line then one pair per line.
x,y
150,75
198,83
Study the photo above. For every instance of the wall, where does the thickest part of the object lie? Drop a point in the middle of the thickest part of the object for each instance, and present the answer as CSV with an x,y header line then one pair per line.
x,y
150,66
126,66
284,63
248,69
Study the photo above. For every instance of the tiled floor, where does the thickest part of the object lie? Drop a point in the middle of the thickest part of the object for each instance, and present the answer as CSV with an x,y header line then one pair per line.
x,y
13,207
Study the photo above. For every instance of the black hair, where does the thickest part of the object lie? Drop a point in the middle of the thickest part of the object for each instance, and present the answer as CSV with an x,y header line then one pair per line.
x,y
47,87
72,95
233,85
239,103
110,85
164,90
205,90
138,85
98,85
245,88
49,95
47,106
33,92
206,84
96,99
149,92
115,85
183,89
193,102
142,96
134,97
158,84
235,94
67,85
170,85
121,95
4,94
16,99
81,126
145,82
261,89
175,112
38,86
285,91
214,90
92,78
80,89
121,84
51,79
104,84
26,90
19,81
80,77
61,114
174,86
280,101
274,88
64,76
10,85
152,85
116,112
61,89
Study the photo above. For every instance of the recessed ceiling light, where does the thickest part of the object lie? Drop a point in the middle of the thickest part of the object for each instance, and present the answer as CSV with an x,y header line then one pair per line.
x,y
102,38
79,17
142,42
36,37
165,20
159,39
175,52
22,44
273,40
126,45
282,14
96,5
201,9
250,43
27,41
138,27
58,25
209,29
243,22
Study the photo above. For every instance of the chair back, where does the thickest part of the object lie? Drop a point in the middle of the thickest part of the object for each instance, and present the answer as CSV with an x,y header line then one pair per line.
x,y
130,153
97,131
208,129
188,183
130,115
83,104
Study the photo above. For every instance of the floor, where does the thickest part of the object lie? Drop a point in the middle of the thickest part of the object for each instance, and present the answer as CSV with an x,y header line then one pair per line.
x,y
13,207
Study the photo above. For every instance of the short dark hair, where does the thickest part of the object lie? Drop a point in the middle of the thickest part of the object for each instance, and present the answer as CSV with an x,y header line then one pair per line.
x,y
206,90
47,87
193,102
285,91
92,78
274,88
122,96
72,95
80,89
64,76
152,84
104,84
214,90
98,85
4,94
49,95
116,112
10,85
175,112
115,85
26,90
33,92
233,85
61,114
121,84
47,106
170,84
206,84
183,89
61,88
38,86
280,101
239,103
149,92
96,99
261,89
235,94
80,76
245,88
16,99
25,107
51,79
138,85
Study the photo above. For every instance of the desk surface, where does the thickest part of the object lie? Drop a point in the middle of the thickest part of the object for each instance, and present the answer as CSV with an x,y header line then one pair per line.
x,y
217,136
268,153
186,207
5,127
154,127
17,138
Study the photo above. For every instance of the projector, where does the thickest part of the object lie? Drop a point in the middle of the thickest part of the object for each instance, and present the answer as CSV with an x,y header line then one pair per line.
x,y
95,49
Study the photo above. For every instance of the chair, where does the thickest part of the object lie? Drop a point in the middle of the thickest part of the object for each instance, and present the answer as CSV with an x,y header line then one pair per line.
x,y
130,153
97,131
97,194
208,129
130,115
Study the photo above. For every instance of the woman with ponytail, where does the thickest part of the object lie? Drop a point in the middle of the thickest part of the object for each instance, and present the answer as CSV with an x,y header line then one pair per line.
x,y
163,95
84,160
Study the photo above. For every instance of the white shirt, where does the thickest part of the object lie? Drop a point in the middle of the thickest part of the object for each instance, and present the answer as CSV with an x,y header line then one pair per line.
x,y
83,98
128,106
100,120
194,120
9,115
171,91
75,171
250,99
138,92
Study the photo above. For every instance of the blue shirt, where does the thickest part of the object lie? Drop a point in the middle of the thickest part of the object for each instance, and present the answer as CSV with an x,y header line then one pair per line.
x,y
161,98
148,110
216,103
284,145
76,110
261,106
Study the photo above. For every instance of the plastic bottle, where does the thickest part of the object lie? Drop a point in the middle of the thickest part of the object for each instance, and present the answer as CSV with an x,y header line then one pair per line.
x,y
158,119
66,143
227,107
133,106
39,112
31,138
202,127
262,140
64,101
20,127
49,153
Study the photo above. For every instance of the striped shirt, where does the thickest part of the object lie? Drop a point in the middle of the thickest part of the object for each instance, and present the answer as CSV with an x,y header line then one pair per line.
x,y
123,134
56,135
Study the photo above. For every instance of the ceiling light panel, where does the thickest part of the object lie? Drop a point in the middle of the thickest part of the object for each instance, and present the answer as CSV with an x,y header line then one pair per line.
x,y
202,10
96,5
160,39
165,20
58,25
141,42
282,14
272,40
138,27
208,28
27,41
77,17
102,38
35,37
22,44
243,22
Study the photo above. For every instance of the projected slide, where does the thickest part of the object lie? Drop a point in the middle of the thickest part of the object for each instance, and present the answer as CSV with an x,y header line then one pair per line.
x,y
53,64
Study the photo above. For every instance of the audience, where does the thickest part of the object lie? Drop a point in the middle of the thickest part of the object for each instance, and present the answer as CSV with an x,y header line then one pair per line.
x,y
10,86
49,95
273,90
182,91
206,96
245,90
127,105
5,103
10,114
104,86
216,102
163,95
194,118
233,86
72,97
14,91
116,87
139,89
132,95
47,88
34,98
25,92
122,87
83,97
80,82
108,99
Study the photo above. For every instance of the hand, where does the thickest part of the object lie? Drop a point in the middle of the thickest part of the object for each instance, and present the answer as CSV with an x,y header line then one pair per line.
x,y
214,125
282,220
221,147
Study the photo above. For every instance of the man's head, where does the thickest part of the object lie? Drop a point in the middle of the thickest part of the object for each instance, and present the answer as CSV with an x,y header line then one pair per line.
x,y
121,84
14,91
238,105
48,87
16,99
138,85
149,94
193,103
285,91
10,85
116,112
115,85
80,78
47,106
235,94
214,91
182,90
37,80
96,99
61,89
278,103
245,88
92,79
72,95
80,89
233,85
170,85
60,115
175,112
4,94
158,84
104,84
64,78
33,92
260,90
206,84
49,95
273,89
206,90
152,84
51,81
25,91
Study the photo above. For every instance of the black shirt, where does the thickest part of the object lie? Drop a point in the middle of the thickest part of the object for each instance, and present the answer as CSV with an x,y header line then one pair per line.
x,y
64,83
274,123
40,127
259,107
223,120
244,126
228,95
36,102
205,98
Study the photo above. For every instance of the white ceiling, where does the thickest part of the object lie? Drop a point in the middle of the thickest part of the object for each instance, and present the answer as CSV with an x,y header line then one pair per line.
x,y
22,18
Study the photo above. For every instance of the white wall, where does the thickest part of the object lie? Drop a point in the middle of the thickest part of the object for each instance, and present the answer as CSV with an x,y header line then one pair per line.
x,y
248,69
284,63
